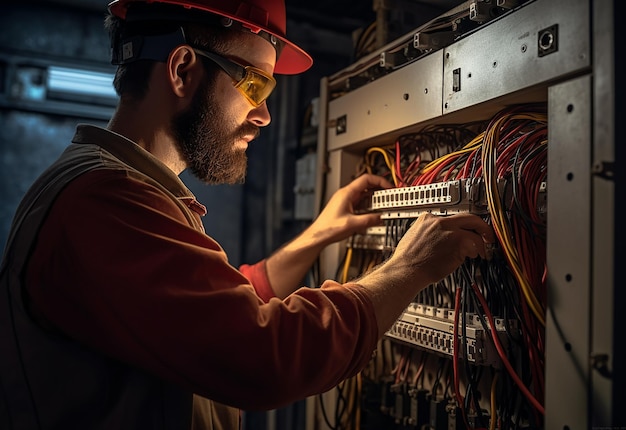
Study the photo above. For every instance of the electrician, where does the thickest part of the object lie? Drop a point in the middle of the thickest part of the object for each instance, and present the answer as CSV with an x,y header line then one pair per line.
x,y
119,312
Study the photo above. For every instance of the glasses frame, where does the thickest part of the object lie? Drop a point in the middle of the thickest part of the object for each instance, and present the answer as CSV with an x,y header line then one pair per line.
x,y
239,74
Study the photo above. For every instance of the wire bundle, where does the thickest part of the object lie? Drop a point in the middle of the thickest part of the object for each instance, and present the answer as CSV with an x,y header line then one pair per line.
x,y
403,162
508,156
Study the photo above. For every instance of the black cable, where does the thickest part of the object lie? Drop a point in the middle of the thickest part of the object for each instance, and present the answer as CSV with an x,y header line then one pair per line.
x,y
471,376
324,413
468,371
438,375
340,405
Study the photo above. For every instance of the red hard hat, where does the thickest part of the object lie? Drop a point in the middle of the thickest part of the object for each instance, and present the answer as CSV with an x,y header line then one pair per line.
x,y
257,15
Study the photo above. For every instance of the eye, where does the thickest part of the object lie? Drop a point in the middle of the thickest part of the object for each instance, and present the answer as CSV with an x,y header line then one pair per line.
x,y
251,85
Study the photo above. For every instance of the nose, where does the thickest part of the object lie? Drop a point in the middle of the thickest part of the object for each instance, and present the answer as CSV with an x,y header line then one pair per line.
x,y
260,116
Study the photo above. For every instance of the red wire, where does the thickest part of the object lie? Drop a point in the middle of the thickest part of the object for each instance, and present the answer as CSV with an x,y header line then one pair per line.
x,y
467,167
412,168
533,352
449,173
505,361
455,355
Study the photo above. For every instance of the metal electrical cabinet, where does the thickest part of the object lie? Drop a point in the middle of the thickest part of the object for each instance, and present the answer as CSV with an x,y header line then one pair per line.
x,y
556,53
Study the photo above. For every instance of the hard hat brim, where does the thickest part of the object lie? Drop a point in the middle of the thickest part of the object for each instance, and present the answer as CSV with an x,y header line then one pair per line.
x,y
292,60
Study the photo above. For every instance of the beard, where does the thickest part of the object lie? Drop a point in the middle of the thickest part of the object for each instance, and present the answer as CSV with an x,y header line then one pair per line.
x,y
206,137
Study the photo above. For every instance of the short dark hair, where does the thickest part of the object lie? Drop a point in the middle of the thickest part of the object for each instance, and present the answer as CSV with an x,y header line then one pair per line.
x,y
131,79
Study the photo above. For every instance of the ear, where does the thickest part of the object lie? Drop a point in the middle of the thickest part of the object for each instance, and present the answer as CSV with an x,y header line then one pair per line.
x,y
184,71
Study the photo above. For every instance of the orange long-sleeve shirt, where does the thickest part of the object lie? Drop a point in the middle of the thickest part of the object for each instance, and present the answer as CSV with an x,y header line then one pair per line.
x,y
118,268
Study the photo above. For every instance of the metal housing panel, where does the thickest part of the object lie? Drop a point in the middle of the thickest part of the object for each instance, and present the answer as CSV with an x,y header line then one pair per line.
x,y
503,56
407,96
568,255
605,302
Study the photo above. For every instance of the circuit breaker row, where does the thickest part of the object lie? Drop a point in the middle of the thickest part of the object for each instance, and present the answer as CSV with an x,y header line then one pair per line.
x,y
432,328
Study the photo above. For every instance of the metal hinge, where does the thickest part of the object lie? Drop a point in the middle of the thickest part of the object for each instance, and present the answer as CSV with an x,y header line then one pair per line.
x,y
604,169
600,362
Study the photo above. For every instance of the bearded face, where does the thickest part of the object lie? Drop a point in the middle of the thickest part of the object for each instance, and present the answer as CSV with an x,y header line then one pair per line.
x,y
207,138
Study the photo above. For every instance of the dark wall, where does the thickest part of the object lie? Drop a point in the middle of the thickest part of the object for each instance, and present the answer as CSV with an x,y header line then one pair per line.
x,y
34,131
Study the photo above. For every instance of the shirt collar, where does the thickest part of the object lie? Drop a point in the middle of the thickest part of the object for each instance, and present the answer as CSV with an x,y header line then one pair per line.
x,y
138,158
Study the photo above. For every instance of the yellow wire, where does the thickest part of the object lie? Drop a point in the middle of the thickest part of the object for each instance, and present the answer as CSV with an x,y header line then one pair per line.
x,y
468,147
346,266
353,388
370,265
388,162
498,214
494,411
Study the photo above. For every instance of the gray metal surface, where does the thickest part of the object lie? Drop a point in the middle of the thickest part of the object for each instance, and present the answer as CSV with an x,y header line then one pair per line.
x,y
568,255
605,406
503,57
407,96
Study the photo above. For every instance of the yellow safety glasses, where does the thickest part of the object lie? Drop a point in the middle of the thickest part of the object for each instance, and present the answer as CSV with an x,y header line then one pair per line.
x,y
255,84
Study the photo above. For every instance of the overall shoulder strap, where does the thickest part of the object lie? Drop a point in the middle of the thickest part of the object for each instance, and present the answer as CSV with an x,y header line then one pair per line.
x,y
18,407
20,410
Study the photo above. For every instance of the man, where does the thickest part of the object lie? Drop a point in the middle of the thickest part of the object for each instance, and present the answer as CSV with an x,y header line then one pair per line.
x,y
119,312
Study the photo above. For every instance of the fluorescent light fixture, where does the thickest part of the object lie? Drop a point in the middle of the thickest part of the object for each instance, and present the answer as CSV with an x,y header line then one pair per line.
x,y
63,80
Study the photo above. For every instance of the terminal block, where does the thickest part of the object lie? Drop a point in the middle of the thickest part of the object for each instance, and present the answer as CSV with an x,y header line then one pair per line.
x,y
443,198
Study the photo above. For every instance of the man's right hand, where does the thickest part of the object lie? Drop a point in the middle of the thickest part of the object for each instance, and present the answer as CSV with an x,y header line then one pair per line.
x,y
432,248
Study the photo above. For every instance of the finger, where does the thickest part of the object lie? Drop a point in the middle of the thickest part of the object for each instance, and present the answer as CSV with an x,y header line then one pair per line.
x,y
489,250
468,246
369,182
476,245
478,236
474,223
362,222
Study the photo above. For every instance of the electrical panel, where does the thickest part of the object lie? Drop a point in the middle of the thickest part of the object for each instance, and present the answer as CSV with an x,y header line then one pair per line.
x,y
491,109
